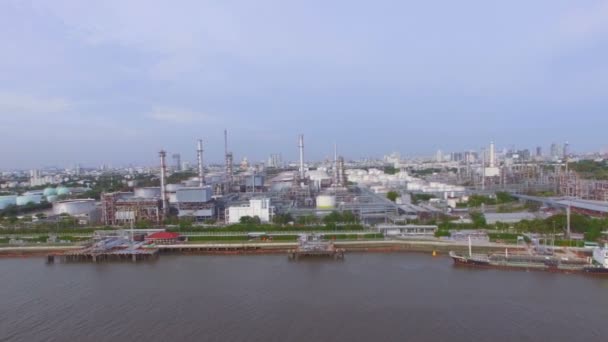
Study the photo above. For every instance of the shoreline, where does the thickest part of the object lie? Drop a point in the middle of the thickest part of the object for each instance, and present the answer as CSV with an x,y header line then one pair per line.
x,y
368,246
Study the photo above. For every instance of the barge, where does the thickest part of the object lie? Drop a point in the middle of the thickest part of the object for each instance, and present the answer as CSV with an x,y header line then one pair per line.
x,y
598,264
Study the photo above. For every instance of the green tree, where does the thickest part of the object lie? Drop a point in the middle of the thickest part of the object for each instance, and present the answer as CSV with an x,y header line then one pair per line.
x,y
185,223
390,170
333,217
143,224
504,197
250,220
282,218
477,200
349,217
392,195
308,219
479,220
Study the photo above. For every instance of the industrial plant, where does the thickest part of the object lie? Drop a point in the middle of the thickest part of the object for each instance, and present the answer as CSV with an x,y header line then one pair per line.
x,y
394,197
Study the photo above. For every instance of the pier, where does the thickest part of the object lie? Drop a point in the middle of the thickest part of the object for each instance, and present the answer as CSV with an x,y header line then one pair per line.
x,y
314,246
107,250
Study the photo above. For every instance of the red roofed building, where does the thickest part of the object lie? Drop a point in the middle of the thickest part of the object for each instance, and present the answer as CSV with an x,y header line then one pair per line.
x,y
166,238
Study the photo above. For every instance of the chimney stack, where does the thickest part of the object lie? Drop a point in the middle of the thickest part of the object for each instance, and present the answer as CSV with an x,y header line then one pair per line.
x,y
163,179
301,145
199,154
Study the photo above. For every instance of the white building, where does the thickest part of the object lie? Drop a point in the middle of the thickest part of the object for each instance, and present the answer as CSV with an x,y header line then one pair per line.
x,y
259,207
37,179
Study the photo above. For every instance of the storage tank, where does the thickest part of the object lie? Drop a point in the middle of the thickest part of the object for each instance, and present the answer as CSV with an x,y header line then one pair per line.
x,y
74,207
51,198
326,202
49,192
62,191
150,192
5,201
25,199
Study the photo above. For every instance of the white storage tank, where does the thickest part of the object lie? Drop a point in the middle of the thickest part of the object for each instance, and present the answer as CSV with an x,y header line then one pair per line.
x,y
150,192
5,201
74,207
326,202
62,190
25,199
49,192
51,198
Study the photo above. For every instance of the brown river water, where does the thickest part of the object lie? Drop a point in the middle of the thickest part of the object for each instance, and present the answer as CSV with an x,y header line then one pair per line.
x,y
366,297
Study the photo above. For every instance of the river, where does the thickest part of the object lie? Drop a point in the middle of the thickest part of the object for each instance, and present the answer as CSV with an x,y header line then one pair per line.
x,y
366,297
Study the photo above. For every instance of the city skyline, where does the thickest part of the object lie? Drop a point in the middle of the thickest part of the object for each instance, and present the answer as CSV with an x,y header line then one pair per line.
x,y
108,83
550,153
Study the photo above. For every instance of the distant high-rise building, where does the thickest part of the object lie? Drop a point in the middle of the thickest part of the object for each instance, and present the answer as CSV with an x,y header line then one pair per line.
x,y
185,166
439,156
524,154
177,161
539,151
556,151
274,160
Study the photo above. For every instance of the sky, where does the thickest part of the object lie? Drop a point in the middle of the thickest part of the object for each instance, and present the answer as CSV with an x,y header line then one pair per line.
x,y
114,81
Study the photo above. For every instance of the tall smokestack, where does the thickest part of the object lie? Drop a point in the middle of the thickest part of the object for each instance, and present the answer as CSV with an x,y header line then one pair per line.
x,y
492,155
163,188
199,154
225,141
301,145
341,172
335,180
228,158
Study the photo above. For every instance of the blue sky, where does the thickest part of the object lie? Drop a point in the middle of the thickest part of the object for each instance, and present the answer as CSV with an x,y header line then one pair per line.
x,y
115,81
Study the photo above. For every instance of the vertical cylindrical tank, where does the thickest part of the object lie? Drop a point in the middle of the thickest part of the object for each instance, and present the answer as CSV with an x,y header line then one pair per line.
x,y
6,201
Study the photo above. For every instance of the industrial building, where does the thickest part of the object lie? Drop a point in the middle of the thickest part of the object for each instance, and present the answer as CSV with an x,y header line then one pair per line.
x,y
572,185
259,207
195,202
122,208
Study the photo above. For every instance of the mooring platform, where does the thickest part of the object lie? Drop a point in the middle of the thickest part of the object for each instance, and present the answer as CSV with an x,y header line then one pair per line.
x,y
314,246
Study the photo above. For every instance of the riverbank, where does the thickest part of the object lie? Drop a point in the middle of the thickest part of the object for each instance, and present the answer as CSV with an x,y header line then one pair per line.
x,y
376,246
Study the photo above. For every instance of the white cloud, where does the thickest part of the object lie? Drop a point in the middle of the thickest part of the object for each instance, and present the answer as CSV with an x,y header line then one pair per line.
x,y
179,116
25,104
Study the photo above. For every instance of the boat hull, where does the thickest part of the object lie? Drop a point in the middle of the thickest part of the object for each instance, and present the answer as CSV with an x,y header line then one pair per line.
x,y
547,266
470,262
